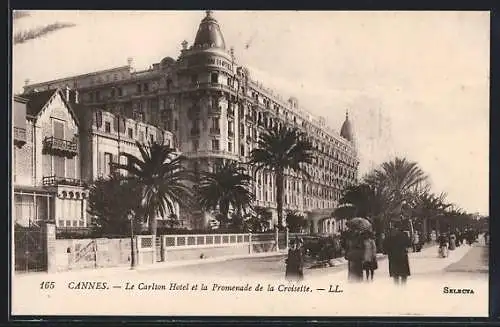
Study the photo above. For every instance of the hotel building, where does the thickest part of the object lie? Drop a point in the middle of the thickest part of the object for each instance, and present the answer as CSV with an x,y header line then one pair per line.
x,y
216,111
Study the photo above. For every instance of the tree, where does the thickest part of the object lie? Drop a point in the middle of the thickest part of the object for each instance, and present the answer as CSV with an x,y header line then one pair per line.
x,y
429,207
279,149
37,32
163,179
399,181
295,222
109,202
225,188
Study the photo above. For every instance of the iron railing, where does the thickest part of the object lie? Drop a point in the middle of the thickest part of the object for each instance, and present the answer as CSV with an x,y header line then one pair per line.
x,y
19,136
58,146
57,180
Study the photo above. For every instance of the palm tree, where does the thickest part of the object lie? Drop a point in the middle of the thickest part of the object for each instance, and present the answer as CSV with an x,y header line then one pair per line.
x,y
401,180
225,188
279,149
429,206
37,32
163,179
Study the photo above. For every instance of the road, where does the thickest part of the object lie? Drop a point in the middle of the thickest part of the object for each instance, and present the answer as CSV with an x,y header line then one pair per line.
x,y
424,294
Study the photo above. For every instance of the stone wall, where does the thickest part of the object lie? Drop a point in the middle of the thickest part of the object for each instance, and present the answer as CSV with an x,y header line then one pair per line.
x,y
91,253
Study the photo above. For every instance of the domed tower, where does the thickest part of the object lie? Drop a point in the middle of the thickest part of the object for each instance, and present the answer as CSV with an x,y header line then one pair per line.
x,y
209,34
347,131
208,101
209,98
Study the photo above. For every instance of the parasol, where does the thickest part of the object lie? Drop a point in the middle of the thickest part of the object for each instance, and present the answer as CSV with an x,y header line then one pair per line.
x,y
359,224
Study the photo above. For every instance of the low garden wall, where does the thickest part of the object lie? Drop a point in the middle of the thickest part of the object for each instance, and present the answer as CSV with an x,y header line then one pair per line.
x,y
74,254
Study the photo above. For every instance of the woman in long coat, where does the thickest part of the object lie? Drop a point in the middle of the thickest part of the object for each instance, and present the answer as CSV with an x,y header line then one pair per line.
x,y
396,246
295,262
354,256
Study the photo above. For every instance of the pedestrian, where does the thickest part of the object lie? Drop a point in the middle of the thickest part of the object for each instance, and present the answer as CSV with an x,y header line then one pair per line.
x,y
486,238
295,262
396,245
370,255
442,245
452,244
354,256
416,242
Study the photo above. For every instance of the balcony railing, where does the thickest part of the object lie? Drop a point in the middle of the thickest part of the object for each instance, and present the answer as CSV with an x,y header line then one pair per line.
x,y
214,110
60,147
215,131
56,180
19,136
195,132
230,134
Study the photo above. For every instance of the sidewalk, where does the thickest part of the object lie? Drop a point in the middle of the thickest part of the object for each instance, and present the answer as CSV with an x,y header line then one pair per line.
x,y
424,262
475,261
123,270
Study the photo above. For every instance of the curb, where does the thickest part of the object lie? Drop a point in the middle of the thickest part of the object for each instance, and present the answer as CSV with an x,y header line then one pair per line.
x,y
181,263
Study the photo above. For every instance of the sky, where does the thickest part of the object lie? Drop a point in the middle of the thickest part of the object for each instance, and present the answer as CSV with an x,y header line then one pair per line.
x,y
425,73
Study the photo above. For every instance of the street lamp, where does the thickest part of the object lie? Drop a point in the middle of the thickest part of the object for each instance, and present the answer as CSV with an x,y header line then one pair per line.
x,y
130,217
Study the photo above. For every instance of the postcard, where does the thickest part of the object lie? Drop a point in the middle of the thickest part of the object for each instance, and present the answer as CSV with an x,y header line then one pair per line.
x,y
250,163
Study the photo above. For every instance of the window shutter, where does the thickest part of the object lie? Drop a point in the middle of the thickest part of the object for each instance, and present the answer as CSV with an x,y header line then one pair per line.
x,y
98,119
115,123
58,129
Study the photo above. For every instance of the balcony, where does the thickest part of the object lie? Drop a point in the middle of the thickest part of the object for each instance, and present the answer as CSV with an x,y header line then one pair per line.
x,y
249,139
214,110
230,134
230,112
59,147
215,131
19,136
55,180
195,132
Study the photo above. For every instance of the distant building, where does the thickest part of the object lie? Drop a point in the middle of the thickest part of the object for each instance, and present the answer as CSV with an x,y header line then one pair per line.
x,y
216,112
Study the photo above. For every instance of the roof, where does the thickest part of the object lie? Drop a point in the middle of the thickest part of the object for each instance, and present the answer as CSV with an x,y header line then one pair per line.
x,y
346,130
38,100
209,34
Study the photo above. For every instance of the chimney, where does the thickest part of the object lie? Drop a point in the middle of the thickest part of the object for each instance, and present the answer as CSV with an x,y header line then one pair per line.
x,y
67,89
184,45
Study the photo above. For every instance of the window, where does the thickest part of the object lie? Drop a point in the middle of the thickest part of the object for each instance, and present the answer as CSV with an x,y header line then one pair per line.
x,y
242,130
214,77
176,125
242,150
230,127
151,138
139,88
146,87
215,145
229,146
141,137
107,127
215,123
59,166
130,132
120,92
108,160
58,129
196,145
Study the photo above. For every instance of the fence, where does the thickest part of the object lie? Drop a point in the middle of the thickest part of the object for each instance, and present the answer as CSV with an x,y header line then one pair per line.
x,y
30,247
36,248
